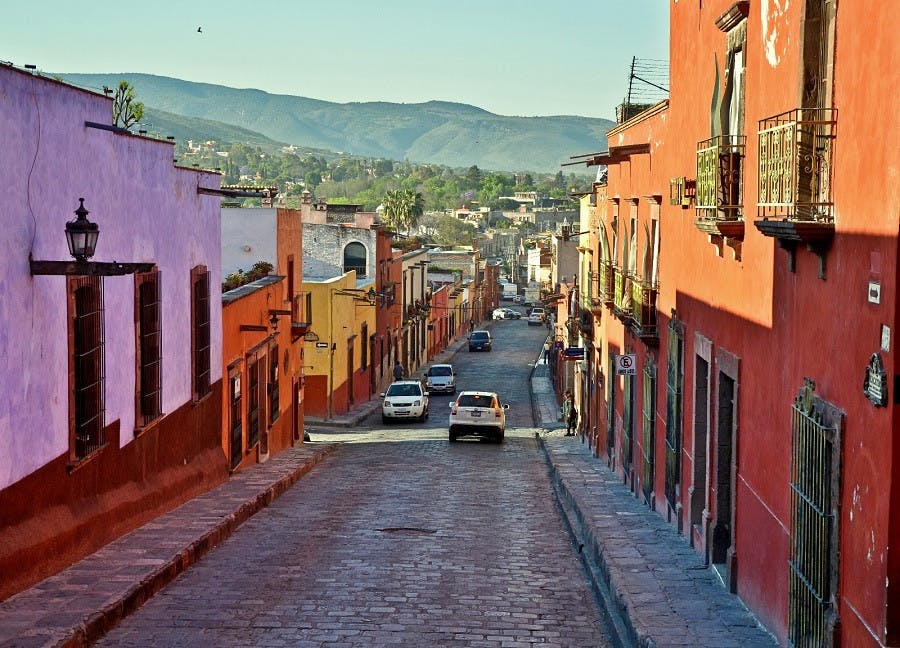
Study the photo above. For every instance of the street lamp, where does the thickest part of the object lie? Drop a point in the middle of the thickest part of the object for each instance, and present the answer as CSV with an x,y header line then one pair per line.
x,y
82,234
81,237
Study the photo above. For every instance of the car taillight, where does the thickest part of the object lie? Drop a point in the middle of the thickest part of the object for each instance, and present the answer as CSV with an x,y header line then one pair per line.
x,y
496,413
453,412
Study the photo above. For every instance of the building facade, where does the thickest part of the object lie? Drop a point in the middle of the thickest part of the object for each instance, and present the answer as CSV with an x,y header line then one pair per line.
x,y
123,351
747,249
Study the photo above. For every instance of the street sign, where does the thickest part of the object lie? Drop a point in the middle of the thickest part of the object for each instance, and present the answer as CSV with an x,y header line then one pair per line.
x,y
321,345
573,353
626,365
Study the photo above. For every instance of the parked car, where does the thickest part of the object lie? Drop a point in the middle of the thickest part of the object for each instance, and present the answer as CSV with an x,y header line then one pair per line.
x,y
537,315
441,378
478,413
404,399
480,341
506,313
518,299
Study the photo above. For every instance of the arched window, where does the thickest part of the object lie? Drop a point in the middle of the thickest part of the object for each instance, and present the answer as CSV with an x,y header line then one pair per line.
x,y
355,258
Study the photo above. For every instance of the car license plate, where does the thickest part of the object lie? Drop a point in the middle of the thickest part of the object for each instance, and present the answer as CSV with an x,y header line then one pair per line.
x,y
476,413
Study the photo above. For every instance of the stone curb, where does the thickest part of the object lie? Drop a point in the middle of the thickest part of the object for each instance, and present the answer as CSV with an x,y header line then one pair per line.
x,y
94,625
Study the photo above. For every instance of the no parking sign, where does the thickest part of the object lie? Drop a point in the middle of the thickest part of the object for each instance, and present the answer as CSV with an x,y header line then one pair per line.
x,y
626,364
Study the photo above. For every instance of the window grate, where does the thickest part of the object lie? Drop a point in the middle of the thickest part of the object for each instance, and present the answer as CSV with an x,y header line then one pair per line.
x,y
648,432
674,405
253,404
149,389
611,411
237,422
88,375
201,332
627,427
813,555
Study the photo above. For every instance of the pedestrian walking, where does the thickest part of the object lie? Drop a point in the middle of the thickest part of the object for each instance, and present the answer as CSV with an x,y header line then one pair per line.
x,y
570,413
398,371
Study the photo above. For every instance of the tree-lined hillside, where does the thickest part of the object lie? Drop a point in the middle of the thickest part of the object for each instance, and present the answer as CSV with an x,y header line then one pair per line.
x,y
456,135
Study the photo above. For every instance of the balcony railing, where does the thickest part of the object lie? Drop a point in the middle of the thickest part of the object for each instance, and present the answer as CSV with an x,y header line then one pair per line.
x,y
719,189
644,309
795,160
623,295
586,324
606,283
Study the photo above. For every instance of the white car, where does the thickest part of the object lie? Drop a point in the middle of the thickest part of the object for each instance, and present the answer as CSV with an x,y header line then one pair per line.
x,y
404,399
441,378
505,313
537,315
478,413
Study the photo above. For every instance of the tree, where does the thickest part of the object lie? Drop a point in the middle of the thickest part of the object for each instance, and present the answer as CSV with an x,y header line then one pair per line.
x,y
126,111
403,208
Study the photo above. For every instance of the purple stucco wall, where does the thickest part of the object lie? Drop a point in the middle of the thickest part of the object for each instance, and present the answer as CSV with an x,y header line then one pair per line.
x,y
148,210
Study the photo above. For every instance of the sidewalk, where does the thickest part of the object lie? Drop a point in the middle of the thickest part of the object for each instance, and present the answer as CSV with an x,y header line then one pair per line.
x,y
646,574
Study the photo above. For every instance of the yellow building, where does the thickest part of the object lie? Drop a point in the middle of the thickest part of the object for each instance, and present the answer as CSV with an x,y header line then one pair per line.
x,y
337,351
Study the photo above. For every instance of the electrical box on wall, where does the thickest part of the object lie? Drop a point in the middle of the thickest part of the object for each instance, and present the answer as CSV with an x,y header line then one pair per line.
x,y
874,292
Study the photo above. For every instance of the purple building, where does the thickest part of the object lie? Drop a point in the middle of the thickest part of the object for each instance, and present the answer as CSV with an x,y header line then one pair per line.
x,y
110,400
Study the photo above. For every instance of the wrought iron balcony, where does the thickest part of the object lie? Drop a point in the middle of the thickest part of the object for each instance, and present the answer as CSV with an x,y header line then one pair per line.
x,y
606,283
795,160
586,323
623,295
719,189
644,309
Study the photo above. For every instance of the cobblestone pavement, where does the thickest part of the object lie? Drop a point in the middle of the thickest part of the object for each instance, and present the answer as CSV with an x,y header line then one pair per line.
x,y
401,538
408,543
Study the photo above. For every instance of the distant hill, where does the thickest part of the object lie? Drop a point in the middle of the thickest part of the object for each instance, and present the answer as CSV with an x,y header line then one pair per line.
x,y
457,135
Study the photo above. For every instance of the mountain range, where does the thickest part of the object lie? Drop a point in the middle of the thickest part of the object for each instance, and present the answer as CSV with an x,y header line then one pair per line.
x,y
440,132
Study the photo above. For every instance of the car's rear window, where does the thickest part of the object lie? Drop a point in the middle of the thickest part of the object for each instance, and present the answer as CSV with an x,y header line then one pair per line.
x,y
475,400
404,390
479,335
439,371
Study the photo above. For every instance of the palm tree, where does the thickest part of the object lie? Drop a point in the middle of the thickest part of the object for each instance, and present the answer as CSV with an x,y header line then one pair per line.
x,y
403,208
413,208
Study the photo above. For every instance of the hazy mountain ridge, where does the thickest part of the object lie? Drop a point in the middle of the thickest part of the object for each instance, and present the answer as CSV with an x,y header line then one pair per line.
x,y
441,132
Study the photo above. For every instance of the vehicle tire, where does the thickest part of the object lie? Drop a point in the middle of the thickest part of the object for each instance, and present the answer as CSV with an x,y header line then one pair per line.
x,y
452,436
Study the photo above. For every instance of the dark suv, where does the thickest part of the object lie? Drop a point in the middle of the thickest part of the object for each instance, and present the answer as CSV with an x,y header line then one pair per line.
x,y
480,341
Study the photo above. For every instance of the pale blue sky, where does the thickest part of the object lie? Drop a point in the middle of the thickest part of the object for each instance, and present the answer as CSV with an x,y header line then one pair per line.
x,y
511,57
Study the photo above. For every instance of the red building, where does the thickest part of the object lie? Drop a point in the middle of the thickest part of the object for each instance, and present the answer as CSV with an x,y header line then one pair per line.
x,y
745,259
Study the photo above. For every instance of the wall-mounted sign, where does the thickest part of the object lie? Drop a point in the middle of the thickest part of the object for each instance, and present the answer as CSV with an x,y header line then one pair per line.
x,y
321,345
626,365
573,353
875,385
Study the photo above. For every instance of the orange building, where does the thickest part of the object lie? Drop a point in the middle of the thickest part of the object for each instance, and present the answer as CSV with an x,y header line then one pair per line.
x,y
745,261
263,323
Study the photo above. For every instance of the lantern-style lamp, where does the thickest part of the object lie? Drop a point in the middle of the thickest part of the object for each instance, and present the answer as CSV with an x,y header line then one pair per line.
x,y
82,234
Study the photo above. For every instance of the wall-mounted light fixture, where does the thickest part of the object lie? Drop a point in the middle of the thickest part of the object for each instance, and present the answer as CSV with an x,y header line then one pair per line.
x,y
273,316
82,234
81,237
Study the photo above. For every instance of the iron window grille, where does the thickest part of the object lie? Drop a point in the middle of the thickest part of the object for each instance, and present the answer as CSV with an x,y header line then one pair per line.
x,y
148,334
815,497
674,408
648,433
200,329
253,413
86,321
236,420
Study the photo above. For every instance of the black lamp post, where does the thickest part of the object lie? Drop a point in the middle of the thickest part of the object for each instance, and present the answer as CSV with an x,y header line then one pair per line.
x,y
82,234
